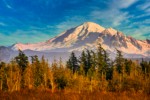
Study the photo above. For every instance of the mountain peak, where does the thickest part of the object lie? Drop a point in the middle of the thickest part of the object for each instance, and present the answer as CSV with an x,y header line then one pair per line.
x,y
91,26
110,31
89,23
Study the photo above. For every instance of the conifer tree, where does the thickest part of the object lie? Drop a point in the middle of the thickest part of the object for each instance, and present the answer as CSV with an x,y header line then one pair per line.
x,y
92,69
72,63
22,60
34,59
107,66
89,60
38,72
83,64
145,67
100,61
119,62
106,59
128,66
69,64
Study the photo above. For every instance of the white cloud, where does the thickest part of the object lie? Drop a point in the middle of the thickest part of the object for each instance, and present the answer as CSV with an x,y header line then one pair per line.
x,y
142,15
145,6
7,5
146,21
122,3
113,16
139,33
2,24
23,36
148,10
70,22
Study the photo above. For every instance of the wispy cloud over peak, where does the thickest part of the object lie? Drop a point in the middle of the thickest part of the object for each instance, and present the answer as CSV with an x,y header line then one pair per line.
x,y
115,17
122,3
7,4
2,24
145,6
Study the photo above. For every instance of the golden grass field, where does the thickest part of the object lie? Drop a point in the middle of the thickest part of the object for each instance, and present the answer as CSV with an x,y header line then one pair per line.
x,y
64,95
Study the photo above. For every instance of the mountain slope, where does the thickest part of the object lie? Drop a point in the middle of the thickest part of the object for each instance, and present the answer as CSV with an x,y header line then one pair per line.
x,y
5,53
89,35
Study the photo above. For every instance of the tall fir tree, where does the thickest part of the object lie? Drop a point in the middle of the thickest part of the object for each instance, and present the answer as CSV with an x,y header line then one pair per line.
x,y
128,66
100,62
145,67
89,60
72,63
107,66
119,62
38,72
22,60
83,64
92,69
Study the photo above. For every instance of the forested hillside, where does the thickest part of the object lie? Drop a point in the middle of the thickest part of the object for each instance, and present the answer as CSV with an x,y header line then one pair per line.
x,y
92,72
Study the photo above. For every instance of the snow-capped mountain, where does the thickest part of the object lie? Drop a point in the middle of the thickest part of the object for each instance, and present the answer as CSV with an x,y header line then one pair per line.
x,y
70,39
89,35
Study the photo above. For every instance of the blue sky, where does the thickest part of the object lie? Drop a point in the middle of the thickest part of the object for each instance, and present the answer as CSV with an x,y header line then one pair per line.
x,y
31,21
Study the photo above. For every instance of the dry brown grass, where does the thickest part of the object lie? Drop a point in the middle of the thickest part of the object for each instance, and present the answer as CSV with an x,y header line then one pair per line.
x,y
61,95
